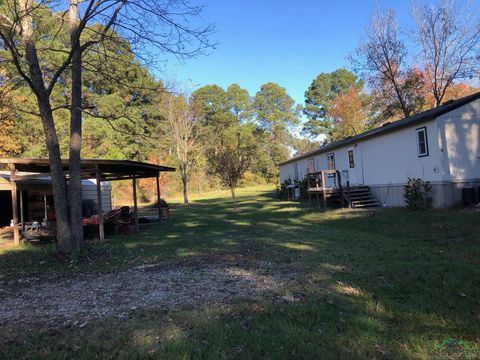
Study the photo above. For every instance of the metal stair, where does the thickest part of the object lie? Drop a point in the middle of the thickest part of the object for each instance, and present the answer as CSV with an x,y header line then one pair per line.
x,y
360,197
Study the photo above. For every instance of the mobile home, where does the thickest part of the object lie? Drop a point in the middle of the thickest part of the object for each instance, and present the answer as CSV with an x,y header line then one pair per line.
x,y
441,145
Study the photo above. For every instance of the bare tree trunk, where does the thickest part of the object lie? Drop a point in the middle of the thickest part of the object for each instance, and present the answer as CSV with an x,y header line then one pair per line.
x,y
185,182
75,181
232,191
400,98
59,187
56,169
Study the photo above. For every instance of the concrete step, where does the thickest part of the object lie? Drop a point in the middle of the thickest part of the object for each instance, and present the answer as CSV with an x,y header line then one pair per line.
x,y
360,196
368,205
357,192
364,198
367,200
365,187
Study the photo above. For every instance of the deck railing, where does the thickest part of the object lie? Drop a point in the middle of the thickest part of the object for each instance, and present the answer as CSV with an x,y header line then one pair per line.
x,y
317,182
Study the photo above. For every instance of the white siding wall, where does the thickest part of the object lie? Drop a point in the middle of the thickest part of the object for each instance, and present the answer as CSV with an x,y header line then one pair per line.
x,y
287,171
384,159
393,158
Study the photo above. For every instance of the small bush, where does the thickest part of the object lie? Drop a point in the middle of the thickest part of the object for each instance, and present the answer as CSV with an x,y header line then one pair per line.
x,y
282,189
417,194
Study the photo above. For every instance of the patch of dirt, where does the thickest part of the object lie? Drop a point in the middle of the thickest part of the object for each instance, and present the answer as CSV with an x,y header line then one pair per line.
x,y
78,299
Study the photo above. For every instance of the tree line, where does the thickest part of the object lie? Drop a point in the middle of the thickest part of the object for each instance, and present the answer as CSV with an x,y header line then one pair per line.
x,y
77,79
74,59
397,71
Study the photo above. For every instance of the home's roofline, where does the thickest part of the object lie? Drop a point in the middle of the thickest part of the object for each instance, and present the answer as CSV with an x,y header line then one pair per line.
x,y
389,127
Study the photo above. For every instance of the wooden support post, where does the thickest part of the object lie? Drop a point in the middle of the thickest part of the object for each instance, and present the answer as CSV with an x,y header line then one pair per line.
x,y
101,228
13,184
135,205
340,188
45,210
22,220
348,194
159,199
323,191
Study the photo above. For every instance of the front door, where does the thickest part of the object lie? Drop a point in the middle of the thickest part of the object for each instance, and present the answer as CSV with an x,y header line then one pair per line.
x,y
354,166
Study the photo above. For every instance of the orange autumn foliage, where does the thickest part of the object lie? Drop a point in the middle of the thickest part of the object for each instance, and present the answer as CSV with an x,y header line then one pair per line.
x,y
9,142
348,114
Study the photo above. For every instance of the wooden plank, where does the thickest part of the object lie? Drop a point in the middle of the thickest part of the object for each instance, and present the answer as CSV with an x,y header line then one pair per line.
x,y
45,210
22,220
43,175
340,187
323,191
101,228
159,205
349,194
135,205
16,230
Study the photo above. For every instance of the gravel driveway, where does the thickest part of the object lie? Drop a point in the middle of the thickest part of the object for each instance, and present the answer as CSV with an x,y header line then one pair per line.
x,y
80,298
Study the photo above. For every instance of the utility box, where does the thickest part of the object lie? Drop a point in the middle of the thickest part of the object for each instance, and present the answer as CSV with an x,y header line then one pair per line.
x,y
296,193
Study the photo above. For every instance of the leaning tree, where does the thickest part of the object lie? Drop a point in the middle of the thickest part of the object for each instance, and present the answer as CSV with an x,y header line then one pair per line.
x,y
151,27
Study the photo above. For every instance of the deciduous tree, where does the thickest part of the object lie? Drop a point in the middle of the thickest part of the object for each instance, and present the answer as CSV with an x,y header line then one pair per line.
x,y
185,130
349,115
232,158
448,37
382,59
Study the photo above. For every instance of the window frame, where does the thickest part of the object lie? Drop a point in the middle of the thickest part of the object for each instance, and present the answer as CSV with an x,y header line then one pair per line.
x,y
312,160
417,132
332,155
351,159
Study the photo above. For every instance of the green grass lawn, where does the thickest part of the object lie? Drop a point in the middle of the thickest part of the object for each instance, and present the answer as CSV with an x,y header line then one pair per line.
x,y
383,284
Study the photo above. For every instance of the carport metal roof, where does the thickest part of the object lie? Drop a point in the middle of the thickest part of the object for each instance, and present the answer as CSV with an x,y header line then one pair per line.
x,y
109,170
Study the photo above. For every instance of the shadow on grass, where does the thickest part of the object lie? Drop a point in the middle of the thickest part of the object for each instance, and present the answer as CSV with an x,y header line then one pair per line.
x,y
386,284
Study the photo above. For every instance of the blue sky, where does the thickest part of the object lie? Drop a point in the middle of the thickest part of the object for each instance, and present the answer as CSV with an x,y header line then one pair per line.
x,y
287,42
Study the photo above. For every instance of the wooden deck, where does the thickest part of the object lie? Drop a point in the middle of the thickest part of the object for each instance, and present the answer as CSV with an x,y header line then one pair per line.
x,y
357,196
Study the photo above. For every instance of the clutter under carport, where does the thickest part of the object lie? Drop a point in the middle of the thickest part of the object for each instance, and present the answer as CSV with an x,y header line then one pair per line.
x,y
124,219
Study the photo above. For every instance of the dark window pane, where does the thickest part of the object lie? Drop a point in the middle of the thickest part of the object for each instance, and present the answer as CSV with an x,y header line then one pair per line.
x,y
423,149
422,142
351,159
421,136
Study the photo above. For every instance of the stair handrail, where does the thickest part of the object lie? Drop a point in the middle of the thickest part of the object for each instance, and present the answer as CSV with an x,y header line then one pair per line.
x,y
345,196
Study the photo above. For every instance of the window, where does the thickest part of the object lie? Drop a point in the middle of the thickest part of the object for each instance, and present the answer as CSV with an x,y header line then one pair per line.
x,y
295,168
422,142
331,161
311,166
351,159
